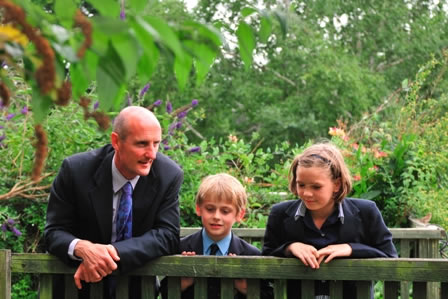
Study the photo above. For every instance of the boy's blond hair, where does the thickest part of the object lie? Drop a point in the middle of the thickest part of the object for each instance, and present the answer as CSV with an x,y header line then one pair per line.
x,y
224,187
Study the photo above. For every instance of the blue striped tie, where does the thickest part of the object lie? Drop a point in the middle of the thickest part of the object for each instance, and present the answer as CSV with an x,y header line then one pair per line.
x,y
124,214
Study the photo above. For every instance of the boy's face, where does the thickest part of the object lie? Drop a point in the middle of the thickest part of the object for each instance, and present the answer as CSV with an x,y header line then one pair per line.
x,y
218,217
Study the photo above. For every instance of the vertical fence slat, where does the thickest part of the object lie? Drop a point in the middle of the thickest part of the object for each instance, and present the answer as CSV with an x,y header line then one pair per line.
x,y
307,289
405,251
280,290
226,288
364,289
148,291
391,289
444,290
253,289
5,274
174,287
336,289
200,287
122,287
70,290
96,290
45,286
419,290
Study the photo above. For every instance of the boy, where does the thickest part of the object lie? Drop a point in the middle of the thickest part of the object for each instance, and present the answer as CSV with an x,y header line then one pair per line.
x,y
220,202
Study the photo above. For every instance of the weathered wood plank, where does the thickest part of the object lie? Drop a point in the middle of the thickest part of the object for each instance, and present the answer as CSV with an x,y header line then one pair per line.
x,y
419,290
280,289
307,289
364,289
336,289
227,288
200,288
444,290
122,287
5,274
391,289
397,233
148,290
70,290
253,289
45,286
174,287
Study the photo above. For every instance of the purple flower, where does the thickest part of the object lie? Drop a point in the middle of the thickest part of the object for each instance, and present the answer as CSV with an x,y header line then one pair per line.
x,y
16,231
157,103
122,13
182,114
169,107
10,221
194,103
96,105
195,149
24,110
9,116
178,125
4,227
1,127
166,147
3,64
165,141
144,90
2,137
129,100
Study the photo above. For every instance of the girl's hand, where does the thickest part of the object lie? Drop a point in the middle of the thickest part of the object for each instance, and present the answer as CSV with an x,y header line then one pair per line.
x,y
333,251
306,253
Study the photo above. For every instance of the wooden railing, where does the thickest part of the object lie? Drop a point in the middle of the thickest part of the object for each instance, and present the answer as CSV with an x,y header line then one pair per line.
x,y
363,271
418,270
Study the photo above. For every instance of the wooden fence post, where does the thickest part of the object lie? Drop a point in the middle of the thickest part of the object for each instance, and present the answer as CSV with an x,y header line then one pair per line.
x,y
5,274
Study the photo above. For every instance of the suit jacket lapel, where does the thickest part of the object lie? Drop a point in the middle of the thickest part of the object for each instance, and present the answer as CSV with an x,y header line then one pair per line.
x,y
101,197
352,222
143,195
294,228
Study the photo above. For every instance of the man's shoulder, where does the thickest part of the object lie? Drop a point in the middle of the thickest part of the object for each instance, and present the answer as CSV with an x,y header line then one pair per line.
x,y
89,159
165,163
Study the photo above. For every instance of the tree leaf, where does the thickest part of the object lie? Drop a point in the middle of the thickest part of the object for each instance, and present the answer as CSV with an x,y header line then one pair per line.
x,y
109,25
129,51
79,80
204,58
137,6
41,105
165,35
110,8
182,68
282,20
246,42
109,78
65,11
265,28
247,11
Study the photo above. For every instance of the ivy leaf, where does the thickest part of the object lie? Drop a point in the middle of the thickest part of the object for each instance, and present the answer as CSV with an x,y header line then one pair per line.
x,y
246,42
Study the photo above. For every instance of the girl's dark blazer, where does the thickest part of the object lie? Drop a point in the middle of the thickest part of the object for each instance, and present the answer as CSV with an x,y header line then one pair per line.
x,y
363,229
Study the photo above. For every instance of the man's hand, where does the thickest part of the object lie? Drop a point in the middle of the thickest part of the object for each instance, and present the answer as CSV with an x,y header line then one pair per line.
x,y
99,260
306,253
333,251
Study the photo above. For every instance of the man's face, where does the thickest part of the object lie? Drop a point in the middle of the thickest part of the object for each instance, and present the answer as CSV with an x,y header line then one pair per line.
x,y
135,154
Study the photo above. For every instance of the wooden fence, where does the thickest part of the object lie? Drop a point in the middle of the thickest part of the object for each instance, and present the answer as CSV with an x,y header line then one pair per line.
x,y
424,277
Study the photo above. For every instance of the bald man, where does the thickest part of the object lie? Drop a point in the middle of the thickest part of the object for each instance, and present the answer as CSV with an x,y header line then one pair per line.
x,y
84,198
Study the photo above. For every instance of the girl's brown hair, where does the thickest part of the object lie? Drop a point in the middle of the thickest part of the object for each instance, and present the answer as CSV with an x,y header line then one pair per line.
x,y
324,155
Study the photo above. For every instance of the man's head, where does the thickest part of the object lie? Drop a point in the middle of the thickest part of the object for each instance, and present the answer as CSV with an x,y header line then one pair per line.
x,y
136,137
220,202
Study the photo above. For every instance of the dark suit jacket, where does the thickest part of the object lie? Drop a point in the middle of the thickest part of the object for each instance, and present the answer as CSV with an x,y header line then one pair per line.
x,y
194,243
363,229
80,206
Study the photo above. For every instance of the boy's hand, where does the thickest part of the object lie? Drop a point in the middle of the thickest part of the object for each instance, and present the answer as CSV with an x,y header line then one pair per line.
x,y
306,253
186,282
333,251
241,283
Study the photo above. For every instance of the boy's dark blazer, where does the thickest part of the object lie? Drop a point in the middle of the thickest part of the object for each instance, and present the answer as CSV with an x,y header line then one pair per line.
x,y
363,229
80,206
194,243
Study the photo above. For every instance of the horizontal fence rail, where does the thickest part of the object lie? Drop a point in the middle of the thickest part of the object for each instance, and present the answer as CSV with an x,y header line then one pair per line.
x,y
391,271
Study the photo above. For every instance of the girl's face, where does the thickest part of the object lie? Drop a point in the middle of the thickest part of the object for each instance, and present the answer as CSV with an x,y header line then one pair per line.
x,y
316,189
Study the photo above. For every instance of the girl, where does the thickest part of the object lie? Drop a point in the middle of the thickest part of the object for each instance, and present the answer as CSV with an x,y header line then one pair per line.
x,y
323,224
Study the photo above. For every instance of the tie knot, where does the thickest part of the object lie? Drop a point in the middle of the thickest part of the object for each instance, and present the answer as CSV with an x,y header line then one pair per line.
x,y
213,249
127,188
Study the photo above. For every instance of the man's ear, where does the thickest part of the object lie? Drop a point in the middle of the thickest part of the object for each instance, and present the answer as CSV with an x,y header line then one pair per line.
x,y
198,211
240,215
114,140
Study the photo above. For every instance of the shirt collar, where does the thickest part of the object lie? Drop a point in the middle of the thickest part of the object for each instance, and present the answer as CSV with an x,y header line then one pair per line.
x,y
301,210
223,244
118,180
